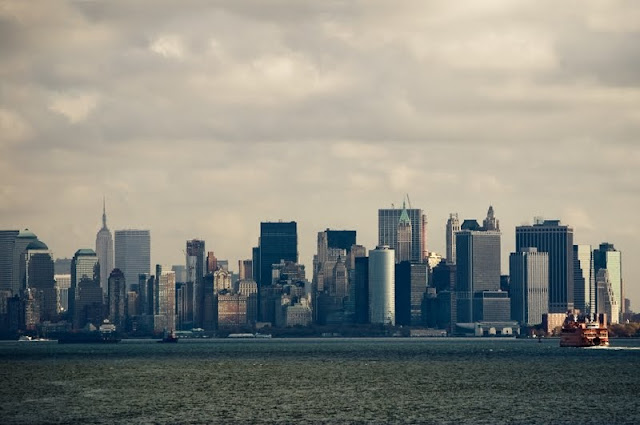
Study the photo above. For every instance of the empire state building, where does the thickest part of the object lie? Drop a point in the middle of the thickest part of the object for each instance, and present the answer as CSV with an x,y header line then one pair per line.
x,y
104,250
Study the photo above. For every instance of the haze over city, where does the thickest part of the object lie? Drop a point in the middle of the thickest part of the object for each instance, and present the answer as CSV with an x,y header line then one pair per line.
x,y
200,119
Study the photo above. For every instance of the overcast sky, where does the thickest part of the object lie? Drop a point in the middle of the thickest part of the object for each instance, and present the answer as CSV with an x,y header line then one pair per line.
x,y
203,118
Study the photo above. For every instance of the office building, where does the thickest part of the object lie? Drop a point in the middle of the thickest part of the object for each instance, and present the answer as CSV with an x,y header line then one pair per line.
x,y
360,290
278,241
403,237
491,306
165,303
388,220
36,269
249,288
453,226
584,279
104,250
84,268
410,289
7,240
63,284
117,299
196,270
606,301
529,285
22,240
232,310
557,240
382,308
607,257
133,253
477,266
245,269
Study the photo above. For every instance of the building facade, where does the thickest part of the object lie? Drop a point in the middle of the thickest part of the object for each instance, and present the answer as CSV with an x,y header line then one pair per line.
x,y
278,241
453,226
557,240
584,280
607,257
382,306
133,253
388,220
529,285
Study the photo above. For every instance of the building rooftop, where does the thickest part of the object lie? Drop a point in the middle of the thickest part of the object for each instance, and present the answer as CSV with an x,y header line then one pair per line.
x,y
37,245
26,234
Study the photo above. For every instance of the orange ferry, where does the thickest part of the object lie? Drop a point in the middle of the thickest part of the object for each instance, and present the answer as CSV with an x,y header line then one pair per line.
x,y
584,331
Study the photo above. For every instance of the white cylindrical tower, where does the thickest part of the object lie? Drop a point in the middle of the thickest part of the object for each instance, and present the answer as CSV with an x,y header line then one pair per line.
x,y
382,285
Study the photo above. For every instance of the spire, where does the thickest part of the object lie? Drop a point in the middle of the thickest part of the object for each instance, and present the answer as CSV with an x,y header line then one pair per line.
x,y
404,216
104,213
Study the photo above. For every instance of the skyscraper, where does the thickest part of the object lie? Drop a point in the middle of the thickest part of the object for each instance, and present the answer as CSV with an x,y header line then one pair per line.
x,y
478,266
36,269
22,240
410,289
104,250
607,257
117,298
196,270
605,296
556,239
453,226
529,285
382,306
584,286
84,269
165,302
388,220
7,240
133,254
403,237
278,241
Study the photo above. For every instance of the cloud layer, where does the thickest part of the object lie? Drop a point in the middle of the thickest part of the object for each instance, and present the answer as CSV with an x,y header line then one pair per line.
x,y
201,119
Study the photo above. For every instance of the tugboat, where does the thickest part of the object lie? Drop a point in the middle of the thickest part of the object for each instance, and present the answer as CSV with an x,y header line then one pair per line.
x,y
584,331
169,337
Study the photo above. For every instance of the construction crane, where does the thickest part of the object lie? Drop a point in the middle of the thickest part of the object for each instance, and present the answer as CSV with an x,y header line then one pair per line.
x,y
409,201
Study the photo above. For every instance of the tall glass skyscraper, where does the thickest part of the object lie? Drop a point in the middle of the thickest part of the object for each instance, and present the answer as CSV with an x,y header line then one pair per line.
x,y
104,250
478,266
607,257
382,286
584,287
529,285
133,254
278,241
83,267
7,240
556,239
388,220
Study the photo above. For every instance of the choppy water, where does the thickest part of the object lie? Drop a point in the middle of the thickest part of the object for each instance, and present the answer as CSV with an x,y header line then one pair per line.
x,y
444,381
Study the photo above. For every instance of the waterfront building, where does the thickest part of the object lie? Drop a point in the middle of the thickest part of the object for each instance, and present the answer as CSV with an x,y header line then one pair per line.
x,y
133,253
606,299
477,266
557,240
232,310
36,270
89,305
584,278
7,240
104,250
249,288
382,307
299,314
278,241
410,290
361,290
491,306
453,226
388,220
609,258
20,243
84,268
117,299
196,270
529,285
165,304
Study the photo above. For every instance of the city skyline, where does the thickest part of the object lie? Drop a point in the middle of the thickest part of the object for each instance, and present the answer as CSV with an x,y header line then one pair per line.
x,y
321,114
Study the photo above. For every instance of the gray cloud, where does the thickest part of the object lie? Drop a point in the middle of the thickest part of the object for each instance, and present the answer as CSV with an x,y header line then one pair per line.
x,y
203,118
